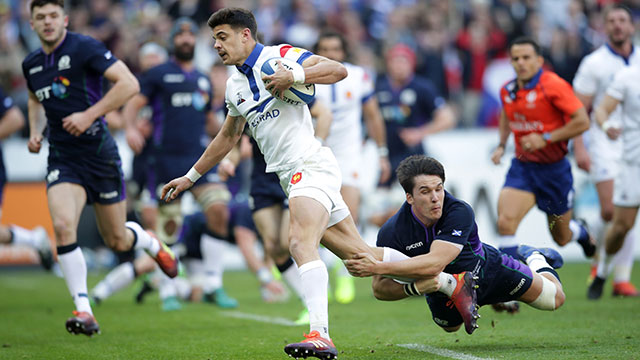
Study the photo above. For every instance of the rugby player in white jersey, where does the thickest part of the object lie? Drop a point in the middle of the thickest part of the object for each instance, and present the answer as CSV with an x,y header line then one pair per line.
x,y
308,172
350,99
623,91
594,151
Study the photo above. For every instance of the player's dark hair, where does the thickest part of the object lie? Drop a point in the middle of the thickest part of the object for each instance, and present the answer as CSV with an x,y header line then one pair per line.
x,y
329,34
237,18
524,40
614,7
41,3
416,165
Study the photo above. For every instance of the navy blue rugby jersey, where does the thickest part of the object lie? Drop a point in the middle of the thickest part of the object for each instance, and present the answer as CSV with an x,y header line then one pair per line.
x,y
180,102
411,106
67,81
405,233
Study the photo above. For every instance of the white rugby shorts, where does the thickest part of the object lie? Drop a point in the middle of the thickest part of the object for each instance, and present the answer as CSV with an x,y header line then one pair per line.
x,y
605,157
626,191
317,177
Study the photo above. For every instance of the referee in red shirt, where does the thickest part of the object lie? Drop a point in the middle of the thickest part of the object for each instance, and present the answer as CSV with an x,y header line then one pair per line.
x,y
543,113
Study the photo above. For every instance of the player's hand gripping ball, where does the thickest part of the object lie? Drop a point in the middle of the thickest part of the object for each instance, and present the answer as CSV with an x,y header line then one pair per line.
x,y
296,94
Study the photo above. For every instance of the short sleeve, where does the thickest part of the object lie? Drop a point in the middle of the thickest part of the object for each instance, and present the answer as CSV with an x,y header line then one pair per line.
x,y
585,81
98,58
617,87
148,83
232,110
457,225
296,54
366,86
385,236
561,94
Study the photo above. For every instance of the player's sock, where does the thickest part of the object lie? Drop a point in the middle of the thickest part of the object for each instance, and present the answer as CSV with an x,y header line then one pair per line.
x,y
509,245
623,260
74,269
22,236
121,276
291,276
448,283
212,250
536,261
604,264
183,287
167,287
578,232
142,239
315,281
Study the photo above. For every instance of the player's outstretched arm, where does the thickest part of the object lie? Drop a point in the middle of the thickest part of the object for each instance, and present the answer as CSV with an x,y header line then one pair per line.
x,y
219,147
428,265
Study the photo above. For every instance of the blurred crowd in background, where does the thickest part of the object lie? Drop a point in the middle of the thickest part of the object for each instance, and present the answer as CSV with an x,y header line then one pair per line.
x,y
460,45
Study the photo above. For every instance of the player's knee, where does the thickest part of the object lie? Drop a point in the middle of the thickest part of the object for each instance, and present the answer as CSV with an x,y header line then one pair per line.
x,y
506,224
551,297
117,241
606,213
218,218
63,229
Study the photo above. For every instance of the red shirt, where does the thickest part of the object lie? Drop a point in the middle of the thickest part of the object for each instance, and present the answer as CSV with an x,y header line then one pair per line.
x,y
543,105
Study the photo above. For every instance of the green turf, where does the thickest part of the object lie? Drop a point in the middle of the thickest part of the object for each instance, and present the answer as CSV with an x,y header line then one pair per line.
x,y
34,306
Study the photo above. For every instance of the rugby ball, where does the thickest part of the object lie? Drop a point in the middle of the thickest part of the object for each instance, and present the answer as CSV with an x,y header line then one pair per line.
x,y
297,94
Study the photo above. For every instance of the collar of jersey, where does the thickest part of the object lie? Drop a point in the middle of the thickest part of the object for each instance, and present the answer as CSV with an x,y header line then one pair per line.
x,y
251,60
626,59
534,81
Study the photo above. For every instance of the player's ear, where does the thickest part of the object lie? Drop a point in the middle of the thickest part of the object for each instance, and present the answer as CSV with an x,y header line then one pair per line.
x,y
409,198
66,21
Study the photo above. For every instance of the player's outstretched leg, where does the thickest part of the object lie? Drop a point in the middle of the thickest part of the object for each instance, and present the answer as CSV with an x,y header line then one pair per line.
x,y
314,345
552,257
465,299
82,323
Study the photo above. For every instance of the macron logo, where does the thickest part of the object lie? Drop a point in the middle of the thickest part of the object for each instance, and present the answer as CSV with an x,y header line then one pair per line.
x,y
108,55
414,246
456,232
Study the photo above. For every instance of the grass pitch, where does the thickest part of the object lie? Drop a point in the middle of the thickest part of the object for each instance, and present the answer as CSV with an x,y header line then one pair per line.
x,y
35,305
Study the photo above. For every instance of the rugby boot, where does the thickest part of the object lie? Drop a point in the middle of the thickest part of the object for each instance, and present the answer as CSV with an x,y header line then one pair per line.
x,y
511,307
625,289
220,298
165,258
44,248
595,289
171,303
314,345
82,323
465,299
145,289
554,259
585,240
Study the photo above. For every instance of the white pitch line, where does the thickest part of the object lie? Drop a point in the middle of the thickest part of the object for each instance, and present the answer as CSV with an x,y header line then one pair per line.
x,y
442,352
260,318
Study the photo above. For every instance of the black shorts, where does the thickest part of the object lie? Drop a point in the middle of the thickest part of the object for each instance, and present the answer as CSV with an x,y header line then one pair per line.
x,y
501,278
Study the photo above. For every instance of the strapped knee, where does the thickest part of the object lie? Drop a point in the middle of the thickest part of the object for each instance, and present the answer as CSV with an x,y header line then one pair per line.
x,y
212,196
547,298
169,222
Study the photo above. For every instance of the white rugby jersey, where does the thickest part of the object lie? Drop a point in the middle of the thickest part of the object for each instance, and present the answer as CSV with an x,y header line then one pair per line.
x,y
593,77
345,98
625,87
284,132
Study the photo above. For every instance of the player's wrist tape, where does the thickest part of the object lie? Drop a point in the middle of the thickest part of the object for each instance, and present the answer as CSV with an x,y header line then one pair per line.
x,y
411,289
383,151
606,126
193,175
264,276
298,74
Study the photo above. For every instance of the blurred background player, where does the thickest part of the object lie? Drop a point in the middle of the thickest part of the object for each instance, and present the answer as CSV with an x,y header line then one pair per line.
x,y
350,100
543,113
624,90
12,120
595,152
65,78
412,109
140,203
